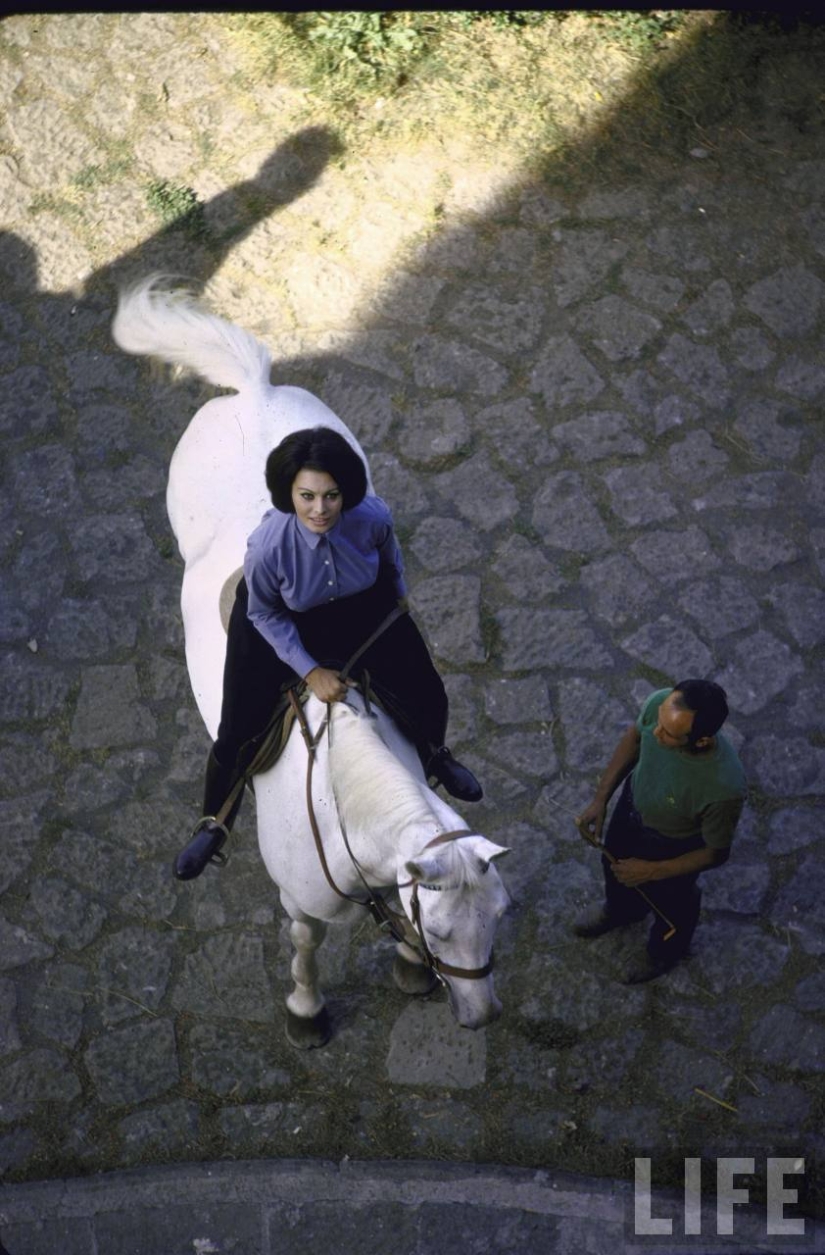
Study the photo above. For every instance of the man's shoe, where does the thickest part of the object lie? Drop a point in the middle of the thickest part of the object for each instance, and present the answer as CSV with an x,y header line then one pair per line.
x,y
648,969
595,923
204,847
457,779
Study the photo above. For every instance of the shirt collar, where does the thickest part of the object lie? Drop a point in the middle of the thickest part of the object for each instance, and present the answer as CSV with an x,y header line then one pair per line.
x,y
312,539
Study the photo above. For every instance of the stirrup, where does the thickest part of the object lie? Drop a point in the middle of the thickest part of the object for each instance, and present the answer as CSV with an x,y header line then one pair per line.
x,y
209,822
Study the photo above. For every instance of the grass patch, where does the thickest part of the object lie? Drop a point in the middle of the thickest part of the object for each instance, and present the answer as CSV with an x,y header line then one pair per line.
x,y
177,206
569,94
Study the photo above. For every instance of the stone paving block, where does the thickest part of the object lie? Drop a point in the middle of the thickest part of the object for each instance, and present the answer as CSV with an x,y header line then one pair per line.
x,y
439,363
427,1047
617,589
30,689
114,547
109,711
480,491
784,766
699,367
731,954
738,886
803,608
763,490
671,556
518,701
791,828
582,260
566,517
636,497
39,1075
712,311
63,913
787,301
228,1228
511,428
558,638
619,329
762,669
439,1126
438,432
525,570
669,647
771,431
697,458
564,375
227,977
800,379
17,946
172,1127
752,348
720,605
443,544
9,1036
134,967
602,434
22,817
448,606
56,1001
787,1039
662,292
591,721
799,907
228,1061
509,326
134,1063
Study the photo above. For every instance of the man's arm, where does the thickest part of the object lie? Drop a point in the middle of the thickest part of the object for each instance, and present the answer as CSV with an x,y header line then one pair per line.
x,y
621,764
638,871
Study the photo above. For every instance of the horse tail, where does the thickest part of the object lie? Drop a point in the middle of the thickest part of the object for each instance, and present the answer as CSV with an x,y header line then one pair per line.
x,y
169,324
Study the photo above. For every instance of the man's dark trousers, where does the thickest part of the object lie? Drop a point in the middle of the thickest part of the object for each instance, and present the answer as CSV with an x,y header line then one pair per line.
x,y
678,897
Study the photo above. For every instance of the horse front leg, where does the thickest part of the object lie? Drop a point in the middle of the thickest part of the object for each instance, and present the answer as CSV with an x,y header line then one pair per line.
x,y
307,1019
410,972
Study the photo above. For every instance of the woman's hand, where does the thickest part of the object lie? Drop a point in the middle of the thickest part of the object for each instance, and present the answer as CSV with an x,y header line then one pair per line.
x,y
327,685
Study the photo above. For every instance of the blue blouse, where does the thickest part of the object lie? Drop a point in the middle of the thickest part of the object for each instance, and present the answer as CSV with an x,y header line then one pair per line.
x,y
288,567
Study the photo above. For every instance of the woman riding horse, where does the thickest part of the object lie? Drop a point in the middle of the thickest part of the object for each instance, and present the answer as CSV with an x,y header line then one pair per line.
x,y
322,571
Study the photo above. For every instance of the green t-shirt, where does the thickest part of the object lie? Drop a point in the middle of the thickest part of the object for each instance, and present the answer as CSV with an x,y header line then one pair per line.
x,y
681,794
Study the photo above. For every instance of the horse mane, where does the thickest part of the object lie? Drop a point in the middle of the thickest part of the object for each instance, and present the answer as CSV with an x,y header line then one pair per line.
x,y
374,791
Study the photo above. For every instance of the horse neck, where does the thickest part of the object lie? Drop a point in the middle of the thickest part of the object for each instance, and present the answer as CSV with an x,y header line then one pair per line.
x,y
385,810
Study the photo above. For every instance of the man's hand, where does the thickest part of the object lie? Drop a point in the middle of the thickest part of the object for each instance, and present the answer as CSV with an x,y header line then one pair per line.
x,y
634,871
591,818
327,685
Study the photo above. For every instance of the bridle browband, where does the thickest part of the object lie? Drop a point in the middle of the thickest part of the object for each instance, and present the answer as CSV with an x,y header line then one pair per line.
x,y
398,926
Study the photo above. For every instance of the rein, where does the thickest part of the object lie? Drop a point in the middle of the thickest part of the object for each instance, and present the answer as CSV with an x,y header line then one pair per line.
x,y
388,920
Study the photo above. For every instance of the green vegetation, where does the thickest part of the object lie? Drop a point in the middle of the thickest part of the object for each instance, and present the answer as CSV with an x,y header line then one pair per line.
x,y
557,90
177,206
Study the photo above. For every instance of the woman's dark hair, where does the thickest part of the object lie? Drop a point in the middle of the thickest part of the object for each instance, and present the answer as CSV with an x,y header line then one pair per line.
x,y
709,703
315,449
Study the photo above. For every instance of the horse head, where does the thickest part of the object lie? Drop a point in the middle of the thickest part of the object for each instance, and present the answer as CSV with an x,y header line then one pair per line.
x,y
455,903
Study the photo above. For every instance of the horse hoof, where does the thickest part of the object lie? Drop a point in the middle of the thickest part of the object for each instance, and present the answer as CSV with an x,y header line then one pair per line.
x,y
413,978
308,1034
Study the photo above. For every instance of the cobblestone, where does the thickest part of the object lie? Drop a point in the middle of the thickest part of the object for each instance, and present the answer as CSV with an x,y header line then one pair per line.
x,y
593,410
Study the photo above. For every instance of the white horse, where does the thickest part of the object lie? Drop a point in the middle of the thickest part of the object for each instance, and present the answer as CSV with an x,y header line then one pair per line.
x,y
368,788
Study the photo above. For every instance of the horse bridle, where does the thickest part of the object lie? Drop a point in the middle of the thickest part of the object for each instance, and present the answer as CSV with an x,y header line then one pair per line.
x,y
397,925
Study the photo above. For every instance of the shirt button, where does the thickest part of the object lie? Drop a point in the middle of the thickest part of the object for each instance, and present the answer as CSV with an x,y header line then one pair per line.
x,y
329,581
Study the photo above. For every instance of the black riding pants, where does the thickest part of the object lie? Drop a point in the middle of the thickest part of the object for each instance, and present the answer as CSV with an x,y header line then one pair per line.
x,y
400,669
679,897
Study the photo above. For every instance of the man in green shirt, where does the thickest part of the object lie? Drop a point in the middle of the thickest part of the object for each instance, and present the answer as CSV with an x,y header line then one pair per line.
x,y
684,788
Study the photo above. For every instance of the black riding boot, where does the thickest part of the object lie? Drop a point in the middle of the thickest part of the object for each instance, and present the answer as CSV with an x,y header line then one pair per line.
x,y
209,836
457,779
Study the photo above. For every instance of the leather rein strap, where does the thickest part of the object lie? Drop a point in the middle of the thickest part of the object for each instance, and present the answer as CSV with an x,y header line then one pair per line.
x,y
387,919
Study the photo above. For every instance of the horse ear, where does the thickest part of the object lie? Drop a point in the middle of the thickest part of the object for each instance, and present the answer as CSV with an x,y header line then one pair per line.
x,y
425,867
486,850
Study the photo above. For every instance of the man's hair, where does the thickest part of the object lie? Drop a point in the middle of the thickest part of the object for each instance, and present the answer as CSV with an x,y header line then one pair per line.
x,y
315,449
709,703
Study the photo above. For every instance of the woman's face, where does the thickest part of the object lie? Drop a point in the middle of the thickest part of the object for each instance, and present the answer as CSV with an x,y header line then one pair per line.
x,y
317,500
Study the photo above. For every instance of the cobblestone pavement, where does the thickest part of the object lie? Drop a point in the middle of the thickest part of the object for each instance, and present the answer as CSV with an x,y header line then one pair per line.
x,y
596,414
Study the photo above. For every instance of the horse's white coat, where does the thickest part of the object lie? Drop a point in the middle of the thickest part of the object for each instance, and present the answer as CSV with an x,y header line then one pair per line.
x,y
365,770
